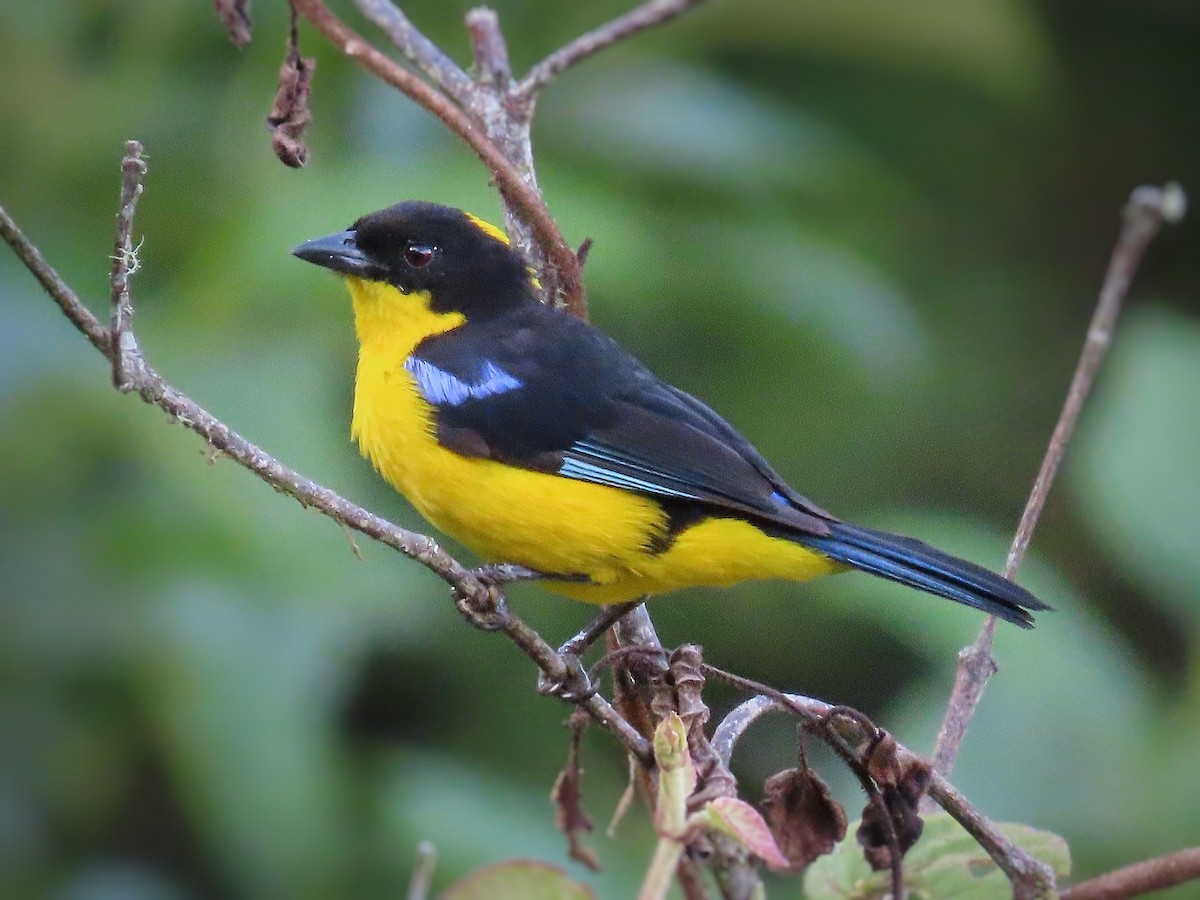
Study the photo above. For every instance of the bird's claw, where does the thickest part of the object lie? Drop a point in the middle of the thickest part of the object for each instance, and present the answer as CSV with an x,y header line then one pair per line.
x,y
487,610
573,686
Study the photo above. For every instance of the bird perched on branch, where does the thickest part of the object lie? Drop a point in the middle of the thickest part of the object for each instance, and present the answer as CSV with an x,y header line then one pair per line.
x,y
535,439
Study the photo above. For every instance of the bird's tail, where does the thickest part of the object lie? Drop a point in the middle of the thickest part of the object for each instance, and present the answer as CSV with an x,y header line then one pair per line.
x,y
918,565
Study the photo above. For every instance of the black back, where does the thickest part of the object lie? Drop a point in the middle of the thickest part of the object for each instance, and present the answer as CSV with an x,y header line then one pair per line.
x,y
540,389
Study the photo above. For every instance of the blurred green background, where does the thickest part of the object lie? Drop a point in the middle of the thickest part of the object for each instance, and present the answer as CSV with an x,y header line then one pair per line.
x,y
869,233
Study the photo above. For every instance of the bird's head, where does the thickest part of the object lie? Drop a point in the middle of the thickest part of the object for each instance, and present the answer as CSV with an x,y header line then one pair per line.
x,y
451,260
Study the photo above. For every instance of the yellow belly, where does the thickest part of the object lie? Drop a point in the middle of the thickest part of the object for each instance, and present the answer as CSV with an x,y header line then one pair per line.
x,y
545,522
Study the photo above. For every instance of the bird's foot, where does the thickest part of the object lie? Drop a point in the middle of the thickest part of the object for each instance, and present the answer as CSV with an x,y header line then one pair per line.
x,y
487,610
576,684
573,686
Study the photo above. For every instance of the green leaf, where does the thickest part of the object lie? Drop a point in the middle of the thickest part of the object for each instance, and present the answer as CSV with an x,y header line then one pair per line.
x,y
518,879
945,862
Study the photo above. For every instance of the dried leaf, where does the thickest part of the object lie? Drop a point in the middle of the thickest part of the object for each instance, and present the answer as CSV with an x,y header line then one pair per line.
x,y
688,682
902,782
806,821
567,796
290,114
881,816
235,17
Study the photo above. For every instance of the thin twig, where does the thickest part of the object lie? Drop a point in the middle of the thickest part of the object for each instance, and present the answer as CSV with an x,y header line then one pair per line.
x,y
1029,877
422,874
604,620
489,48
636,628
626,799
419,50
739,719
648,15
508,122
634,635
1147,210
514,189
125,356
70,304
1140,878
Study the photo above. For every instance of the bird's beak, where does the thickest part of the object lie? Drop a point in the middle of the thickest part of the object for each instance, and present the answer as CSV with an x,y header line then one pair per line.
x,y
339,252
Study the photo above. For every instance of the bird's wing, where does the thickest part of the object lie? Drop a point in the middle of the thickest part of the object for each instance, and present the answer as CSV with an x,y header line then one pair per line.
x,y
540,390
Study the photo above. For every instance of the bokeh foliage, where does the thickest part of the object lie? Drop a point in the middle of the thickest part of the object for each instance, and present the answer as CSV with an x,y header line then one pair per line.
x,y
869,233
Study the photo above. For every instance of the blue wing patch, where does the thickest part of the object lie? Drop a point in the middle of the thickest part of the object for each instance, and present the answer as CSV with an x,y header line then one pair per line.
x,y
598,474
442,388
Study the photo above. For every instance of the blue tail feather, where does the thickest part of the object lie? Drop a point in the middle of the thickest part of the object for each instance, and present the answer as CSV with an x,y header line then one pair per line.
x,y
916,564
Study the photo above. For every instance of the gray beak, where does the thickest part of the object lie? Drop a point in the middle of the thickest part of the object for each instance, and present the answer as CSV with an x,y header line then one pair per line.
x,y
338,252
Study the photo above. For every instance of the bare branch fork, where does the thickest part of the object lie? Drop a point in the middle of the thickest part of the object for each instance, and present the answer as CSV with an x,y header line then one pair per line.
x,y
1147,210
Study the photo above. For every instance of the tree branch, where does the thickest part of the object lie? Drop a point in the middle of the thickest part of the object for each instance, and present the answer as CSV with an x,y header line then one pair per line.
x,y
1147,210
70,304
1140,878
422,52
1030,877
648,15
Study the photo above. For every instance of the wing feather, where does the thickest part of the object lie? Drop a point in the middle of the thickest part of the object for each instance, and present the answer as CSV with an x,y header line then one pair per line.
x,y
543,391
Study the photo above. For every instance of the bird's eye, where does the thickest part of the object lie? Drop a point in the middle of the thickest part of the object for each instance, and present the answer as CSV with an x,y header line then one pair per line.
x,y
419,255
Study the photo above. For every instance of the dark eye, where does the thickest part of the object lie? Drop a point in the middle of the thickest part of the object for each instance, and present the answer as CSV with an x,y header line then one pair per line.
x,y
419,255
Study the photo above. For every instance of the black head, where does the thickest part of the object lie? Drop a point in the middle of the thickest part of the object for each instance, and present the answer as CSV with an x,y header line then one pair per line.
x,y
419,246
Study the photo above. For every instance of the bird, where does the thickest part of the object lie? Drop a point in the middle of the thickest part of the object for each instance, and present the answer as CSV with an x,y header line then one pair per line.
x,y
535,439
